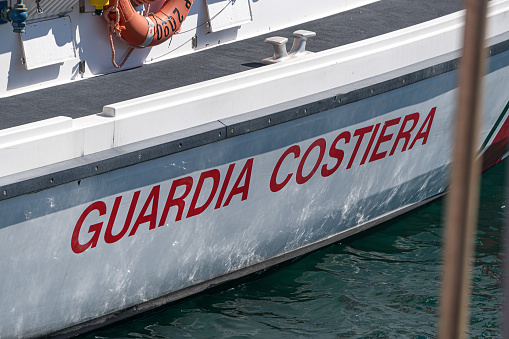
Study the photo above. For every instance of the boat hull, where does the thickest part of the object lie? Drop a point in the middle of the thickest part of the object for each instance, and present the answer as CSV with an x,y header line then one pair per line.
x,y
155,228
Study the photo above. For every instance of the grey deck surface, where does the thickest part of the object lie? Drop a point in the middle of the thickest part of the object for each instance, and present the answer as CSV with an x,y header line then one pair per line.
x,y
88,96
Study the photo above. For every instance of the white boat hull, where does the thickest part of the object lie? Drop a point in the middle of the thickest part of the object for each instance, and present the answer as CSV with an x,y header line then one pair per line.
x,y
167,227
159,197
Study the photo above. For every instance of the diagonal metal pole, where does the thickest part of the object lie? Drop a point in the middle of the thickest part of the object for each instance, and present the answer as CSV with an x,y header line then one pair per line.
x,y
463,198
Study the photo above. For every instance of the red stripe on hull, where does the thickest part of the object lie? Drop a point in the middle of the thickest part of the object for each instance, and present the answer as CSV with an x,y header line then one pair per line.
x,y
498,149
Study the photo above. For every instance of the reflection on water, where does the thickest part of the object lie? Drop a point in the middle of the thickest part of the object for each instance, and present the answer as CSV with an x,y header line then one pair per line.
x,y
382,284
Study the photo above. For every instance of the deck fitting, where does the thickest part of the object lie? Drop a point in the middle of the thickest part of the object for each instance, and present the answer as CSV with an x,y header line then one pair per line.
x,y
300,38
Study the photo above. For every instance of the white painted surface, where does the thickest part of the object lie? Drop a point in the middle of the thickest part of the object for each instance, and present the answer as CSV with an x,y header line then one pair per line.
x,y
189,106
66,288
243,92
98,133
92,44
36,129
43,150
47,43
53,140
109,277
225,14
50,8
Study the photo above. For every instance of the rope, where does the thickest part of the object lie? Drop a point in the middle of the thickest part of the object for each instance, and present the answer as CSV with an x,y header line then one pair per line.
x,y
114,26
144,2
113,54
208,21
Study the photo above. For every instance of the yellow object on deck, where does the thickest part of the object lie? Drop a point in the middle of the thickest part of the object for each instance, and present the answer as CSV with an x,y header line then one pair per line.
x,y
99,4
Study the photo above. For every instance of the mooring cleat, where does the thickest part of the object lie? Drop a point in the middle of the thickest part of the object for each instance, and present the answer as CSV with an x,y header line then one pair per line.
x,y
280,52
299,42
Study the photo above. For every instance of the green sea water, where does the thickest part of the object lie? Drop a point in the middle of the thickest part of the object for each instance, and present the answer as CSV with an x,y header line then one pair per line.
x,y
384,283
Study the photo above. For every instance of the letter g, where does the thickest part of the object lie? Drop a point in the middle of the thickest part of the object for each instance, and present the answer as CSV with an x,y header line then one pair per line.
x,y
95,228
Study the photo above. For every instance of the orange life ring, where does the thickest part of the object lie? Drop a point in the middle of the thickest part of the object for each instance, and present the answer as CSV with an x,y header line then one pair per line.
x,y
154,29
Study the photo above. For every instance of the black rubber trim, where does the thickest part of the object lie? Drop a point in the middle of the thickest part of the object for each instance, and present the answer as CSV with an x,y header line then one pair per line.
x,y
256,120
75,169
98,163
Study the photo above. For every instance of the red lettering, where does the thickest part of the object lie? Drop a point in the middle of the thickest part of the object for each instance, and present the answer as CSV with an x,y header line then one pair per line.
x,y
336,154
424,133
225,186
237,189
76,246
371,140
402,134
179,202
360,133
148,213
153,198
298,176
274,186
215,175
383,138
108,235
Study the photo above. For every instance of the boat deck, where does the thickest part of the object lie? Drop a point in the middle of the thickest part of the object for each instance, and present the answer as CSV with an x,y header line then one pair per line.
x,y
86,97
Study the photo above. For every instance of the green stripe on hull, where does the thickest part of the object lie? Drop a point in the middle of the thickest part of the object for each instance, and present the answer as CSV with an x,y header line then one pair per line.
x,y
499,120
